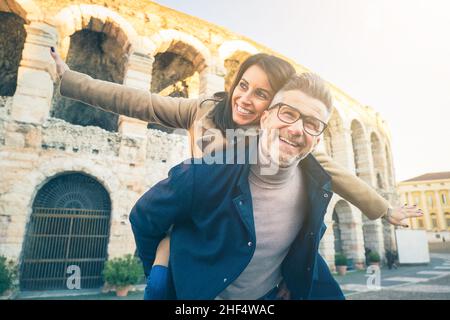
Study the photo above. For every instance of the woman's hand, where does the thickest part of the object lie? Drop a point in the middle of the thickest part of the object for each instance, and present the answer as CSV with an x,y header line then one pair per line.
x,y
396,216
61,66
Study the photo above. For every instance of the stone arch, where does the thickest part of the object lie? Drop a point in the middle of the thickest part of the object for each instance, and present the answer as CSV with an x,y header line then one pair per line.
x,y
344,229
25,9
95,41
379,162
361,151
69,211
37,178
327,139
334,138
12,41
95,18
180,61
231,54
389,166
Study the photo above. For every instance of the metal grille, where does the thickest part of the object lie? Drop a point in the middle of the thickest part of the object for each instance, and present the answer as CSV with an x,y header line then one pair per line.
x,y
69,225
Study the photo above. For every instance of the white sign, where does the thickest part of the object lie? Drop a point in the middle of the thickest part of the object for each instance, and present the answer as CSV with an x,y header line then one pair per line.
x,y
412,246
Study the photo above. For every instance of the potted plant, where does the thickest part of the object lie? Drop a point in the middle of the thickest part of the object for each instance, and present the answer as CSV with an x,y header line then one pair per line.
x,y
374,258
340,260
122,273
8,275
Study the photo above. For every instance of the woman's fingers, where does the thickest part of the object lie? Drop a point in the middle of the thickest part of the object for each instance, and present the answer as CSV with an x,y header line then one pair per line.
x,y
400,214
61,66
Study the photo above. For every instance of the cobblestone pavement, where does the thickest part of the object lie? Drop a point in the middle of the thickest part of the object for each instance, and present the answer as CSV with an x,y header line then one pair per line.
x,y
419,282
416,282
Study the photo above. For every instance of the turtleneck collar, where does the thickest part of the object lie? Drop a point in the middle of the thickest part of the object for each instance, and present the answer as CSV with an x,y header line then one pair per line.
x,y
277,178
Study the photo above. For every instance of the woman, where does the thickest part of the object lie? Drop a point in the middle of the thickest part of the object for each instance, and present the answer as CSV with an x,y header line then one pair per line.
x,y
255,84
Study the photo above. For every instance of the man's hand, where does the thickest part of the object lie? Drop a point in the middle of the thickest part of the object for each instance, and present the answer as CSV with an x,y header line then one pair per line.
x,y
61,66
396,216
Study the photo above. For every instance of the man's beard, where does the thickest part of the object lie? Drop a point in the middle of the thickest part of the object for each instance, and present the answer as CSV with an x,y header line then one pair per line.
x,y
272,148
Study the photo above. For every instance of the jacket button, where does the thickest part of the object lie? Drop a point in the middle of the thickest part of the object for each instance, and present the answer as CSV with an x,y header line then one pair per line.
x,y
225,280
309,269
240,202
325,195
311,234
249,243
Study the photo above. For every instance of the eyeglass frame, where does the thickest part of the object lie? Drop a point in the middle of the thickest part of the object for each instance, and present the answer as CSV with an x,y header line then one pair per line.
x,y
280,104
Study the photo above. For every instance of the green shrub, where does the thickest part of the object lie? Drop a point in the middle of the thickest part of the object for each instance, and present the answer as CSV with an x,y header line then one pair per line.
x,y
124,271
340,259
374,257
8,274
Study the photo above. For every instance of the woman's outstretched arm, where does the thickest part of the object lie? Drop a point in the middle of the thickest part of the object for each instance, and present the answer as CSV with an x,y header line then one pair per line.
x,y
363,196
123,100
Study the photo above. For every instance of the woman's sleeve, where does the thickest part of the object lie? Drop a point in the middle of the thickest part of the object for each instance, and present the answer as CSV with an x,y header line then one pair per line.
x,y
130,102
352,188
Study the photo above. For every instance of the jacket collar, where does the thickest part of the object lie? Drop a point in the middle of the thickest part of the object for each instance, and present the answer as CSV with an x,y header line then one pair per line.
x,y
315,175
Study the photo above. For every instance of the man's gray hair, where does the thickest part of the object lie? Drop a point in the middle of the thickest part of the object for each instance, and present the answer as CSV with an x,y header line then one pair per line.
x,y
312,85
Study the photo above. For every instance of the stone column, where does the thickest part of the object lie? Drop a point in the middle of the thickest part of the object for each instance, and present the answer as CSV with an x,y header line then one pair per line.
x,y
440,213
426,221
342,148
373,236
131,169
32,100
326,245
139,71
410,201
134,143
212,79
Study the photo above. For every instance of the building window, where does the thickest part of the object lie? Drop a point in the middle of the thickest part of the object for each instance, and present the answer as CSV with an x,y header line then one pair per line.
x,y
416,200
430,201
434,222
447,220
420,224
444,198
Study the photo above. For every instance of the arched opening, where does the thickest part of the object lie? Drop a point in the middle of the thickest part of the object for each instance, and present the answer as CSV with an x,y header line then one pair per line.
x,y
232,64
327,139
176,73
360,152
344,230
12,40
378,161
69,226
434,222
337,233
102,57
334,143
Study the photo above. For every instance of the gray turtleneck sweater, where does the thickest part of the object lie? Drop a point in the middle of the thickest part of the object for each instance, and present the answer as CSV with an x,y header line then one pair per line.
x,y
278,209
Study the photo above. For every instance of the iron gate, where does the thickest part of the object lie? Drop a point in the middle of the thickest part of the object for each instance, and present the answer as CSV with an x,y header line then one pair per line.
x,y
69,226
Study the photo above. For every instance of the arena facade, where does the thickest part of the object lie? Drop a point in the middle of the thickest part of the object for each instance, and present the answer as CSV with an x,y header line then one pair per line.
x,y
70,174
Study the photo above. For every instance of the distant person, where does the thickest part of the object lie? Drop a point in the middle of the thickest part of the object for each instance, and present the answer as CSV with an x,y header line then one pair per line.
x,y
391,257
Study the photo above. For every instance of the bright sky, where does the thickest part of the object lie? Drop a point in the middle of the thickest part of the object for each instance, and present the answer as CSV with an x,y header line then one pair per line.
x,y
393,55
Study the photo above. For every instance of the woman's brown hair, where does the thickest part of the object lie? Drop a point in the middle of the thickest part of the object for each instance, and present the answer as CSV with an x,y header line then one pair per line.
x,y
278,72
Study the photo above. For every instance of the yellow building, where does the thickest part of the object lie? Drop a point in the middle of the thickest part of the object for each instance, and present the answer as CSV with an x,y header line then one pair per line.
x,y
431,192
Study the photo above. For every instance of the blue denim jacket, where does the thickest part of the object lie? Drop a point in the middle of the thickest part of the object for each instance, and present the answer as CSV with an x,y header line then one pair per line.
x,y
213,237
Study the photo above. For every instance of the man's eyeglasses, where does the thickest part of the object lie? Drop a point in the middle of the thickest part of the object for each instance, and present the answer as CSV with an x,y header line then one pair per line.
x,y
290,115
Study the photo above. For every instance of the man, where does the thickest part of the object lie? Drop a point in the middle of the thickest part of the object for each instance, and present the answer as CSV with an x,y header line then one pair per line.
x,y
240,230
